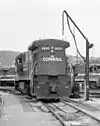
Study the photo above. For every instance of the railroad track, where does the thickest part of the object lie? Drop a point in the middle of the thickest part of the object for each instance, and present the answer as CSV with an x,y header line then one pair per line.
x,y
62,121
84,108
80,104
65,118
61,111
49,108
68,117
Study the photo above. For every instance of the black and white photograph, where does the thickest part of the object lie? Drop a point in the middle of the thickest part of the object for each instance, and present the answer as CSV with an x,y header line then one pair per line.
x,y
49,63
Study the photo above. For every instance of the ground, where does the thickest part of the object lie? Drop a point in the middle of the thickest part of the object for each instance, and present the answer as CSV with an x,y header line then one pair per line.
x,y
14,114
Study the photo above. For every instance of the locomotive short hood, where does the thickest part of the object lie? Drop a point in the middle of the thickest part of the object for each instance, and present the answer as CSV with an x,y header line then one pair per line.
x,y
49,42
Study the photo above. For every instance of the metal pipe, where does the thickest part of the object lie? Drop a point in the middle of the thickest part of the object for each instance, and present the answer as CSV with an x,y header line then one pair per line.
x,y
86,86
74,23
88,45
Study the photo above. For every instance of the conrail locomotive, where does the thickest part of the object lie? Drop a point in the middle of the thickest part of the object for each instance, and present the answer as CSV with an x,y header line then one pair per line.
x,y
44,71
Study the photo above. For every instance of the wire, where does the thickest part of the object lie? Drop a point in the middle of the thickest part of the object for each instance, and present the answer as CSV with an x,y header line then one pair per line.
x,y
74,40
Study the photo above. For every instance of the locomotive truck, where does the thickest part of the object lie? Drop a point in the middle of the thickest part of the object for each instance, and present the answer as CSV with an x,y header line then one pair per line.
x,y
44,71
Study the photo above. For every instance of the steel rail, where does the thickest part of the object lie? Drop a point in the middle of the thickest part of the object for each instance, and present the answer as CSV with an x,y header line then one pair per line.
x,y
87,112
62,121
58,108
82,105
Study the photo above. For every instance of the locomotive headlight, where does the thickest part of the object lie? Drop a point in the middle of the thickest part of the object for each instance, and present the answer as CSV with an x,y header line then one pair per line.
x,y
52,50
52,47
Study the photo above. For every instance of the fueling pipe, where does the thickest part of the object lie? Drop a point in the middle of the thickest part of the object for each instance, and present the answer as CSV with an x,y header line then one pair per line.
x,y
88,46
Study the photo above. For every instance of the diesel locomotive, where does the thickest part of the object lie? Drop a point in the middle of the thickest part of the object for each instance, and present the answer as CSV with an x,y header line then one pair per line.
x,y
44,71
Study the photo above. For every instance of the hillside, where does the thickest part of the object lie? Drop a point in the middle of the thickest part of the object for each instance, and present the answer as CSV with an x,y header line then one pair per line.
x,y
79,60
7,57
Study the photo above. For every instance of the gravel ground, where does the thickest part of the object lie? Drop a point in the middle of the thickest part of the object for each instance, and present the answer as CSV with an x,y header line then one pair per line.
x,y
15,115
95,102
18,113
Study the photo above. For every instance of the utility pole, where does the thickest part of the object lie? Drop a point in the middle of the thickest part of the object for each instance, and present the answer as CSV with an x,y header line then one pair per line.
x,y
86,60
86,79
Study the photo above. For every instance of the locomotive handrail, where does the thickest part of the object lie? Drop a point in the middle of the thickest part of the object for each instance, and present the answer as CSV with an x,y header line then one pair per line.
x,y
31,77
33,66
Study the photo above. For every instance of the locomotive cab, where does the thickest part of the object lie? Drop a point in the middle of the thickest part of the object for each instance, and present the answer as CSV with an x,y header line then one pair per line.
x,y
22,64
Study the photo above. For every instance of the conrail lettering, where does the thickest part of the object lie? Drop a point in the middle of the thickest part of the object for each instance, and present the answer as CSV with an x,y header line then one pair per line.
x,y
59,59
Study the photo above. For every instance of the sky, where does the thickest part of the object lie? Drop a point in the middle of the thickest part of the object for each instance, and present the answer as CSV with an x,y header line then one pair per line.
x,y
23,21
